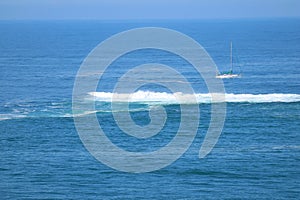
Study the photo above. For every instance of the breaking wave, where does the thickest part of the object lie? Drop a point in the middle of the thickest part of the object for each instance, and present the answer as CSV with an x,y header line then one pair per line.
x,y
169,98
142,101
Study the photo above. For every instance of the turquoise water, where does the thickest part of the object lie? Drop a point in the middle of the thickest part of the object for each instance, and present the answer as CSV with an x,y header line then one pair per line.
x,y
257,155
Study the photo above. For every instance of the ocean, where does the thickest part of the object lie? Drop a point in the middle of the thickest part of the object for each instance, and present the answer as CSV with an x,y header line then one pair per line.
x,y
257,155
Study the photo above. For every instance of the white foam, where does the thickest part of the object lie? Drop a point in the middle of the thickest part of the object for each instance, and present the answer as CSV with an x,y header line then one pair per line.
x,y
169,98
10,116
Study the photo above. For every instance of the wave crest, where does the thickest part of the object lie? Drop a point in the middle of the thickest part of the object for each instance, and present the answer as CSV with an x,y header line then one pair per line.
x,y
170,98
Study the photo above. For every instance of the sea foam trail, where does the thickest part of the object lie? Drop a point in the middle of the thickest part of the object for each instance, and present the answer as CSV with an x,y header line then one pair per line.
x,y
169,98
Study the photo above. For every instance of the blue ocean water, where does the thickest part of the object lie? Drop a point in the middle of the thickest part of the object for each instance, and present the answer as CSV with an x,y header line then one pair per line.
x,y
257,155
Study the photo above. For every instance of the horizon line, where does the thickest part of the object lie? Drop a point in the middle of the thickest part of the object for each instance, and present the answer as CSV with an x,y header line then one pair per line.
x,y
153,19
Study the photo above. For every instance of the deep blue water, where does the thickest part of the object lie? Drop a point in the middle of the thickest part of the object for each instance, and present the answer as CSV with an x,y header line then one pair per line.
x,y
257,155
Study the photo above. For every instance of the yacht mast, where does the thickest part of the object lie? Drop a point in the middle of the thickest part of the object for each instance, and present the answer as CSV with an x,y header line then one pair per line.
x,y
231,61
